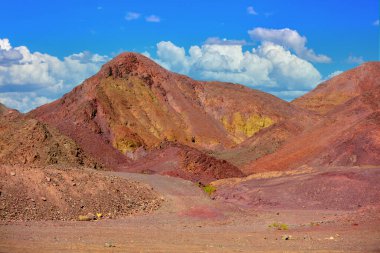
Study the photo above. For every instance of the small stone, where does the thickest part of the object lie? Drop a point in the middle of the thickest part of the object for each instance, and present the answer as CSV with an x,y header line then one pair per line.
x,y
109,245
91,216
43,199
13,173
83,218
74,184
286,237
48,179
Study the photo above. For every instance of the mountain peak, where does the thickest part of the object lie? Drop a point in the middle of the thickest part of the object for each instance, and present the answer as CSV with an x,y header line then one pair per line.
x,y
130,63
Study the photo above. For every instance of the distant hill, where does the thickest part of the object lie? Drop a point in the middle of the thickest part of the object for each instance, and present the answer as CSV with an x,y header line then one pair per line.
x,y
348,133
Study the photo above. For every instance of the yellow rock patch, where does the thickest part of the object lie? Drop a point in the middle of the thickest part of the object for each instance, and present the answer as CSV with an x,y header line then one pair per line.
x,y
246,126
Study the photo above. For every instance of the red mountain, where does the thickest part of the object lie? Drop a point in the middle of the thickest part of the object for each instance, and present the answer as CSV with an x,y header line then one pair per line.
x,y
133,104
348,133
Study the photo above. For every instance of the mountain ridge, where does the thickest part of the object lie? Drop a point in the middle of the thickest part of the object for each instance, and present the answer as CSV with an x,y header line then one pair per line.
x,y
132,102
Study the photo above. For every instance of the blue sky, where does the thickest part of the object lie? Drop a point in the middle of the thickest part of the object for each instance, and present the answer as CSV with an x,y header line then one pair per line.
x,y
66,41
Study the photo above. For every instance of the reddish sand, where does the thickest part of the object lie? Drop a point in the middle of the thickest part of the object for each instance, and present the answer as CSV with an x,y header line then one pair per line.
x,y
189,221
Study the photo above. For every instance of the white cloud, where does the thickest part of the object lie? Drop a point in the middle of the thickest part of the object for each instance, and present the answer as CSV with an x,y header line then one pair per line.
x,y
289,39
172,57
224,41
251,11
289,95
153,19
23,101
269,67
30,79
7,54
376,23
334,74
355,59
132,16
5,45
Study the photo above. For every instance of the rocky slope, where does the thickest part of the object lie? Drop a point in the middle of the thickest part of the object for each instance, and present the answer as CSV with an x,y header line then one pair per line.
x,y
182,161
66,193
347,134
341,88
133,104
322,188
26,141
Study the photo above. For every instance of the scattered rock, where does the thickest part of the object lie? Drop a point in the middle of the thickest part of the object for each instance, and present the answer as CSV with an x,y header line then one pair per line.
x,y
23,200
109,245
83,218
48,179
91,216
286,237
87,217
74,184
13,173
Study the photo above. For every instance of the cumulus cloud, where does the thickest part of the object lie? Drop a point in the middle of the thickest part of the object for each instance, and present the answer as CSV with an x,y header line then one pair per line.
x,y
279,66
7,54
219,41
153,19
28,79
289,95
355,59
5,45
376,23
269,67
334,74
251,11
289,39
132,16
23,101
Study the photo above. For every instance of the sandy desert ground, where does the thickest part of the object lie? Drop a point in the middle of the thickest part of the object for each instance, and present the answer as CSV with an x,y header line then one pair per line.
x,y
191,221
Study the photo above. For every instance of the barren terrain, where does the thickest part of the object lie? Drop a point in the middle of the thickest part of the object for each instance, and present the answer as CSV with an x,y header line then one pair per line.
x,y
190,221
141,159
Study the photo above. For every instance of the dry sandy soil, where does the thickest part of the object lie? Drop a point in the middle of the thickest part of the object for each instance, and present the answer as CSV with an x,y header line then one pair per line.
x,y
190,221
